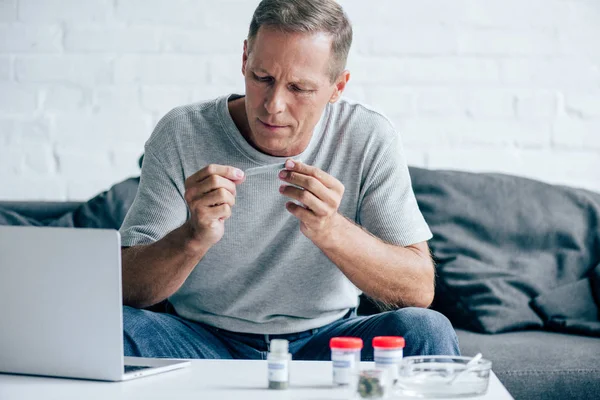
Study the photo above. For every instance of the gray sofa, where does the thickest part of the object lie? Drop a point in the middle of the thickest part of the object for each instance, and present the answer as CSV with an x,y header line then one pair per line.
x,y
503,246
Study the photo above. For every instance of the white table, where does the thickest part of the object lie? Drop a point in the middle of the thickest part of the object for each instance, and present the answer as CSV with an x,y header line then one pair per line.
x,y
205,379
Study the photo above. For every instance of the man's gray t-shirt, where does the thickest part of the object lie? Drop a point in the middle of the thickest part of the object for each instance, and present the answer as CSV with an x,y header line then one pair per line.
x,y
264,275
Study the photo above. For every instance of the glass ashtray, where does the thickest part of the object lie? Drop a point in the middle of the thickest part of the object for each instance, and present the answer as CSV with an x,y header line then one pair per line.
x,y
442,376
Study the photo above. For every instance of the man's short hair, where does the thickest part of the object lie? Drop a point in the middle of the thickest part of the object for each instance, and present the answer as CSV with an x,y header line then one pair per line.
x,y
307,16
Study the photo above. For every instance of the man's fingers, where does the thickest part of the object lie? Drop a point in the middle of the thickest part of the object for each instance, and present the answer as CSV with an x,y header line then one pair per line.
x,y
231,173
305,197
324,186
309,183
221,212
213,182
207,214
208,185
215,198
225,171
299,212
210,194
323,177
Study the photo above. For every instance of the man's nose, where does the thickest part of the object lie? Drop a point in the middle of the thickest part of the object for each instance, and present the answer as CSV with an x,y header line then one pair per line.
x,y
275,100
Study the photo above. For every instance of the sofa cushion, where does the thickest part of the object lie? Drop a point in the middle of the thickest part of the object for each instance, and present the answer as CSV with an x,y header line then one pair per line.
x,y
571,307
500,241
12,217
106,210
538,364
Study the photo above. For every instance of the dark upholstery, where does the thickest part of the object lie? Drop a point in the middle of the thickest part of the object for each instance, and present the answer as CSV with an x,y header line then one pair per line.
x,y
501,241
107,210
39,210
538,364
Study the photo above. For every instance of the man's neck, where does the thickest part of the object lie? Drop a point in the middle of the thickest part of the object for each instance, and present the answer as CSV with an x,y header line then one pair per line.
x,y
237,110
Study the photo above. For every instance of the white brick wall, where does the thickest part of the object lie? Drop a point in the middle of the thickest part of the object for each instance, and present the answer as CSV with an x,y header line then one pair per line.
x,y
482,85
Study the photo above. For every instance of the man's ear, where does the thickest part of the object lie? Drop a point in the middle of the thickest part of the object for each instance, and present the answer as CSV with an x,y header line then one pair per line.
x,y
245,57
340,85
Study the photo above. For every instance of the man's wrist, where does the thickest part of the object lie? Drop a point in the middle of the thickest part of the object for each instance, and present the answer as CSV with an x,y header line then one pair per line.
x,y
330,238
192,245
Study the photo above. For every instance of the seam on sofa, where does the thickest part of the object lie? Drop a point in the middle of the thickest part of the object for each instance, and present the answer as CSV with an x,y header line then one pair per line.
x,y
561,371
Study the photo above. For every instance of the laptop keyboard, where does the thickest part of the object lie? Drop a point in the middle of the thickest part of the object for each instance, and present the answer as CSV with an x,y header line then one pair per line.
x,y
133,368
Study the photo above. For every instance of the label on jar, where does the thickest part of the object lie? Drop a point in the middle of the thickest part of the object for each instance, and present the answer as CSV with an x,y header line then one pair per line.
x,y
388,357
344,368
278,370
390,360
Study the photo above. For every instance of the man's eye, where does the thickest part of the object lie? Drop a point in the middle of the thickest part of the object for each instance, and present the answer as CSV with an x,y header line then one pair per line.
x,y
299,90
262,78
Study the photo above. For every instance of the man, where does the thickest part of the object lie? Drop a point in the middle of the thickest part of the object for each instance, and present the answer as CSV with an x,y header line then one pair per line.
x,y
244,259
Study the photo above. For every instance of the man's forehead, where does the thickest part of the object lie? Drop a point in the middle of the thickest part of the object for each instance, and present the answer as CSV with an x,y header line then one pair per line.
x,y
303,55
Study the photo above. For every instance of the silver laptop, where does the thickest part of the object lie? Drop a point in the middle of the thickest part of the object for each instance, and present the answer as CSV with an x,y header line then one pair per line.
x,y
61,312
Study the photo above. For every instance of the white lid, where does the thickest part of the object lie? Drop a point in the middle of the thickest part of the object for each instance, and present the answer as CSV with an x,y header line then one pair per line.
x,y
279,346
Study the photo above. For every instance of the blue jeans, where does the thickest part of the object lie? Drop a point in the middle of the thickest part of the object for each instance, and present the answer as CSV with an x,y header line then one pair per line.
x,y
160,335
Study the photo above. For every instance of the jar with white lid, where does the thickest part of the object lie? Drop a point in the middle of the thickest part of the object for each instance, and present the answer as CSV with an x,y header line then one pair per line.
x,y
278,364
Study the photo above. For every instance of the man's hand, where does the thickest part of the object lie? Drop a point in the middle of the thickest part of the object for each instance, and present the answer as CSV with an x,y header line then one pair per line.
x,y
210,194
321,196
153,272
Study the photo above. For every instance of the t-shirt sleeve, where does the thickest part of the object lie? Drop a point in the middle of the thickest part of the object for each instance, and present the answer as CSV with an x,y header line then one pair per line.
x,y
388,208
159,206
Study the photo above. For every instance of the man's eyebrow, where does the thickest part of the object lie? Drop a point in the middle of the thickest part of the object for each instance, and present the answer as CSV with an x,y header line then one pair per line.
x,y
264,71
306,82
